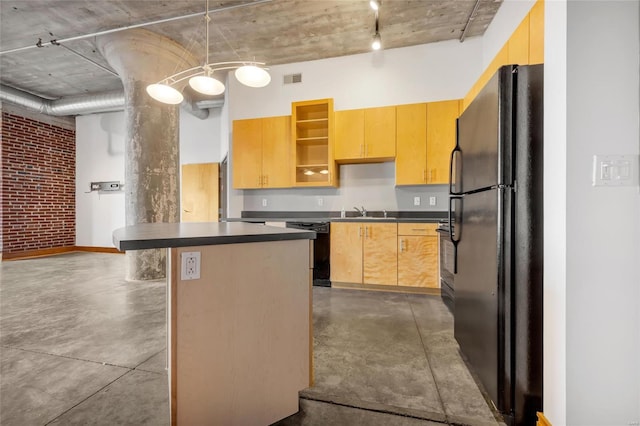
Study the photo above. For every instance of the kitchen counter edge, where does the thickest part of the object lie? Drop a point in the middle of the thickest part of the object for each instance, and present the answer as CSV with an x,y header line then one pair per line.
x,y
163,235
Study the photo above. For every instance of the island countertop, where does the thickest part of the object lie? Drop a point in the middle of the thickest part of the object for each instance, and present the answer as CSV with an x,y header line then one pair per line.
x,y
163,235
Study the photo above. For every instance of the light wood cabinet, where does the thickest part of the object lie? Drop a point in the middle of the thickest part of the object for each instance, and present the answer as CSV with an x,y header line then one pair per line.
x,y
364,253
411,144
349,142
312,128
380,258
365,135
346,252
425,137
261,153
417,255
441,139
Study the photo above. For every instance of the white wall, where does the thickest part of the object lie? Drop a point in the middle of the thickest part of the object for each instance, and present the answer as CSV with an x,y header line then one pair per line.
x,y
424,73
555,212
100,157
200,139
603,223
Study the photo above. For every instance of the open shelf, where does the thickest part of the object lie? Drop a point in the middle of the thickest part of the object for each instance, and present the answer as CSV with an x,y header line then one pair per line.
x,y
312,128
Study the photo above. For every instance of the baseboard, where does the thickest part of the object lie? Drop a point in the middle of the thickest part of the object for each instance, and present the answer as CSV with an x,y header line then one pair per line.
x,y
29,254
99,249
388,288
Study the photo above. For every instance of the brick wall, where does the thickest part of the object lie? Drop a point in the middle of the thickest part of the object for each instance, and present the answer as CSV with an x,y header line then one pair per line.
x,y
38,185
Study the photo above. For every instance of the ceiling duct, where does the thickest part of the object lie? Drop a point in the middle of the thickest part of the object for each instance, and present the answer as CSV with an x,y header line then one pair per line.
x,y
88,104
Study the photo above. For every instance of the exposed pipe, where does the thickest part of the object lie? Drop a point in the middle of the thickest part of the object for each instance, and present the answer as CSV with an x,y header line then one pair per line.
x,y
90,104
128,27
471,17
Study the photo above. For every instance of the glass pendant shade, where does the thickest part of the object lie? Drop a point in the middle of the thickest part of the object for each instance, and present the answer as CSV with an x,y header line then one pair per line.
x,y
206,85
165,94
252,76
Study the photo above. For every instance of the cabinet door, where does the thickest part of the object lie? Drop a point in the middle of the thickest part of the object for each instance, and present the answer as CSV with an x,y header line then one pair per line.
x,y
380,132
276,172
346,252
247,153
380,253
411,144
418,261
441,139
349,137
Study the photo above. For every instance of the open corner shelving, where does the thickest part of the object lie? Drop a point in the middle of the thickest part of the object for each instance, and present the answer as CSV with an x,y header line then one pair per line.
x,y
312,130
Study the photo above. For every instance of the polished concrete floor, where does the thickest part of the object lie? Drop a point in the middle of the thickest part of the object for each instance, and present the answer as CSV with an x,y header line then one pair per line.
x,y
79,345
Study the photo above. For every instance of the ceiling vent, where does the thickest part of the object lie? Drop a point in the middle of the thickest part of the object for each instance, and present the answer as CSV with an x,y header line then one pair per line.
x,y
293,78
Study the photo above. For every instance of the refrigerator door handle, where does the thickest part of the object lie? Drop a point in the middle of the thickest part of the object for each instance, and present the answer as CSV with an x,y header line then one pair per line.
x,y
452,238
453,154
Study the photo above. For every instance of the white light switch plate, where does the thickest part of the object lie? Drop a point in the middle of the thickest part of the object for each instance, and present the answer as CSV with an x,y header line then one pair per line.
x,y
432,201
615,170
416,201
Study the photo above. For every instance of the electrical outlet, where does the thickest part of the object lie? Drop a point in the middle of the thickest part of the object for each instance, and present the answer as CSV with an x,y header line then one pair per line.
x,y
432,201
190,265
264,202
320,202
416,201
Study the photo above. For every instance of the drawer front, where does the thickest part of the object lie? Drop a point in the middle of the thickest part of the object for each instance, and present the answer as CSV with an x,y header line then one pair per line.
x,y
417,229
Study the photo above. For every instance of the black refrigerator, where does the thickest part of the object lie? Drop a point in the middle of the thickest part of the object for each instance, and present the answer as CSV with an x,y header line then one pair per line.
x,y
496,202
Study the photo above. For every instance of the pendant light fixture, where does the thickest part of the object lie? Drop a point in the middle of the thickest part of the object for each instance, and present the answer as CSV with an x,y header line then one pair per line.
x,y
376,44
201,78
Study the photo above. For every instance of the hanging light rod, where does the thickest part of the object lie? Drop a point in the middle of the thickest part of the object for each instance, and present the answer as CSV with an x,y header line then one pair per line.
x,y
201,78
129,27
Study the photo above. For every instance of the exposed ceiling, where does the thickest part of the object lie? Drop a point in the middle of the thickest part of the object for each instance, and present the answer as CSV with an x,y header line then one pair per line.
x,y
275,32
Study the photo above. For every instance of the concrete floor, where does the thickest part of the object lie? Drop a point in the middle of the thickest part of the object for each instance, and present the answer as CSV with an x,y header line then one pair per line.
x,y
79,345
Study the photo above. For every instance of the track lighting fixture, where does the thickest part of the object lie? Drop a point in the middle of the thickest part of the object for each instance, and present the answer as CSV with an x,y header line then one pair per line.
x,y
202,80
376,44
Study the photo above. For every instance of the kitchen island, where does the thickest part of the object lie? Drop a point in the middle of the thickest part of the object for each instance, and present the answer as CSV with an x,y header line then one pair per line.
x,y
238,318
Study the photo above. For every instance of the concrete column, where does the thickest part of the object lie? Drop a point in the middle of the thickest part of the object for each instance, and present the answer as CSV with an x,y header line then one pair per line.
x,y
152,155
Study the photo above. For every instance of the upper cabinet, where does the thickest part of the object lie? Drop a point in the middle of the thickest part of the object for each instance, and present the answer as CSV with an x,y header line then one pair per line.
x,y
365,135
425,137
411,144
312,131
261,153
441,139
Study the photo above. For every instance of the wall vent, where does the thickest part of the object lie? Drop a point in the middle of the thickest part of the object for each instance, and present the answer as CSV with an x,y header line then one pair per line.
x,y
293,78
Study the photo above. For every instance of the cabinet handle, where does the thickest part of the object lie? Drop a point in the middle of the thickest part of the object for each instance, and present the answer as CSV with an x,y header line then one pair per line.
x,y
401,245
359,231
366,232
430,175
266,180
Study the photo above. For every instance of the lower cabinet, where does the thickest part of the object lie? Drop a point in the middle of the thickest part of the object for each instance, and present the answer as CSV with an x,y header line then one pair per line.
x,y
417,255
403,254
364,253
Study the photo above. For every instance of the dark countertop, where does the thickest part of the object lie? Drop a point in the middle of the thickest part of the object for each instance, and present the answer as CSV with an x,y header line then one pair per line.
x,y
311,217
161,235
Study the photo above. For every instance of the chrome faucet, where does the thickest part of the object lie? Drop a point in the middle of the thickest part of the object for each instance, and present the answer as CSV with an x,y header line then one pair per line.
x,y
363,212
